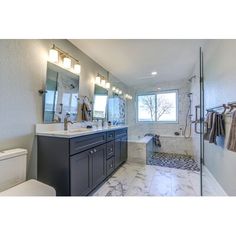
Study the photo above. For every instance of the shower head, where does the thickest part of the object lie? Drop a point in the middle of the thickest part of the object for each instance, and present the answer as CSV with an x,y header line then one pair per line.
x,y
189,94
191,78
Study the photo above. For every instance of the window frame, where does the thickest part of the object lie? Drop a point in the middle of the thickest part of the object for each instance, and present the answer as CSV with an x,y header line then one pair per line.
x,y
176,91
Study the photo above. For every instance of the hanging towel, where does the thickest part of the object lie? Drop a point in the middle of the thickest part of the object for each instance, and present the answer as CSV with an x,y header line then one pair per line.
x,y
156,139
86,110
208,121
232,135
217,127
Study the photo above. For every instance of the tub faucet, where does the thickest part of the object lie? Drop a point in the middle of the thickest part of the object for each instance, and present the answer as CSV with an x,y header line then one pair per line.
x,y
66,121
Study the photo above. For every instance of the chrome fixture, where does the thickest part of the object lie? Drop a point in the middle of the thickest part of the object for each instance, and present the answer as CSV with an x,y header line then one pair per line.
x,y
66,121
188,118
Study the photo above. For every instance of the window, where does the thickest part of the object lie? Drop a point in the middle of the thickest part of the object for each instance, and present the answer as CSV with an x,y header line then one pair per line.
x,y
99,109
159,107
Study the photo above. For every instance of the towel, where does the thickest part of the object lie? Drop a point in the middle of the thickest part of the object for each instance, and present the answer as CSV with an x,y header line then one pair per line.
x,y
217,127
209,119
86,110
208,122
156,139
232,135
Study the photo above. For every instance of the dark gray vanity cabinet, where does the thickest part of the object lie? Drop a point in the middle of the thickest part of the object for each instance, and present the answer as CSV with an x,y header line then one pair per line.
x,y
98,165
124,149
76,166
120,147
80,174
87,170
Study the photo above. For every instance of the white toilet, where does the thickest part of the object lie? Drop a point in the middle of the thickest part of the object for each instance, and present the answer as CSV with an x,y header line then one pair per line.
x,y
13,176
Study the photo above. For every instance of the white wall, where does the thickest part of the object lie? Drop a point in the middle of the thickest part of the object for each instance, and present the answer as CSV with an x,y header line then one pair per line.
x,y
23,65
220,87
141,128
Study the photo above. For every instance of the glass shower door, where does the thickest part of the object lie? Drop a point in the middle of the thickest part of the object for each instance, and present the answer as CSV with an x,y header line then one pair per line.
x,y
197,89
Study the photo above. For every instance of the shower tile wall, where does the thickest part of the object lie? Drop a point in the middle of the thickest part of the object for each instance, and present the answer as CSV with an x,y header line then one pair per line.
x,y
140,129
178,145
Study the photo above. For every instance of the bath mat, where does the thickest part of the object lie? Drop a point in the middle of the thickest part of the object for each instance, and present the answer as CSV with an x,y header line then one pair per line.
x,y
173,160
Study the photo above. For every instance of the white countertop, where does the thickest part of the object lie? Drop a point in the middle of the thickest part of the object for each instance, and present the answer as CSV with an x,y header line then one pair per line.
x,y
41,130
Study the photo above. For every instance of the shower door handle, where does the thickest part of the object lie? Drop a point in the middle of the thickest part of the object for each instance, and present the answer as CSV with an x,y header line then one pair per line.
x,y
197,121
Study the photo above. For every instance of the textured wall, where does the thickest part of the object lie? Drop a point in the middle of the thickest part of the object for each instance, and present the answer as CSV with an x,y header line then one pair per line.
x,y
141,128
23,65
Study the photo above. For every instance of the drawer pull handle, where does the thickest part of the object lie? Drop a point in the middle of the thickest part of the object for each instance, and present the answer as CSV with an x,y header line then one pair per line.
x,y
111,149
111,166
95,150
91,152
110,135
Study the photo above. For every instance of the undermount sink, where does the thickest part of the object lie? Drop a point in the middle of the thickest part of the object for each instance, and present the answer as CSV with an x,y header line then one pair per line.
x,y
79,130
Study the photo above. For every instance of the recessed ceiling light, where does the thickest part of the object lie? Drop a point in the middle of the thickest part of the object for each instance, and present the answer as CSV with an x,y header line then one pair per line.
x,y
159,88
154,73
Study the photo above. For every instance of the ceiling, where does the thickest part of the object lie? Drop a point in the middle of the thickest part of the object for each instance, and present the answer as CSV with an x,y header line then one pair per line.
x,y
133,60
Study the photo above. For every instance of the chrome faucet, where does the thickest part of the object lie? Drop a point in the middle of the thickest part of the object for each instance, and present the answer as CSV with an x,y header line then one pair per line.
x,y
66,121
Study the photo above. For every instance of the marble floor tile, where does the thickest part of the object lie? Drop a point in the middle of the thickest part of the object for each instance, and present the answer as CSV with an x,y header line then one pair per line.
x,y
134,179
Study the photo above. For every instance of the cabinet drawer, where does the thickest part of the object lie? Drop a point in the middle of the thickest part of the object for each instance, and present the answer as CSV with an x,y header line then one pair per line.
x,y
86,142
120,132
110,149
110,135
110,165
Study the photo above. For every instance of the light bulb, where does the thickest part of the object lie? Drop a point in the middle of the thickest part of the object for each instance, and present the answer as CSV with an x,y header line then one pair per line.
x,y
120,92
97,79
103,83
53,55
67,62
77,68
113,88
108,85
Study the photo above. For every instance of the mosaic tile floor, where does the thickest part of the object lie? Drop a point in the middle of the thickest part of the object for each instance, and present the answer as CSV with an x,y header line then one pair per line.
x,y
170,160
149,180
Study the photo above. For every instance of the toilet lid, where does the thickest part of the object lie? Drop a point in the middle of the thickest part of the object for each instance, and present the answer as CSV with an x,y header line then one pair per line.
x,y
31,187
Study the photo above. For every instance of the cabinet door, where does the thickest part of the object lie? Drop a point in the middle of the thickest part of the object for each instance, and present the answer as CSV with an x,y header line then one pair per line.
x,y
80,174
117,152
98,164
123,149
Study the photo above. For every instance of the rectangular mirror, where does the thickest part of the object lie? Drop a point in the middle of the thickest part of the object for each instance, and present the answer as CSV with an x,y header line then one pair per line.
x,y
100,102
61,94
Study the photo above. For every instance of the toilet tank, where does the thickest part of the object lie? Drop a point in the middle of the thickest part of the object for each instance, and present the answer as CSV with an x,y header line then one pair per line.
x,y
12,167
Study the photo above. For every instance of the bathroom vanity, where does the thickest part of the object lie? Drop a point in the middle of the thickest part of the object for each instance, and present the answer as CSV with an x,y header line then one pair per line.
x,y
76,163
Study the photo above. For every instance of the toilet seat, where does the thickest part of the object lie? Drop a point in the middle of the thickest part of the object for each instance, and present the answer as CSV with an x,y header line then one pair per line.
x,y
31,187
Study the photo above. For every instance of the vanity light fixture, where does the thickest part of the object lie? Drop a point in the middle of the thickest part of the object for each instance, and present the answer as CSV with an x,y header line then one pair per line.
x,y
127,96
65,61
53,54
98,80
77,68
103,83
108,85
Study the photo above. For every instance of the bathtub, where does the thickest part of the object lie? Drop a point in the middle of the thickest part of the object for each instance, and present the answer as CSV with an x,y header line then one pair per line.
x,y
139,149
